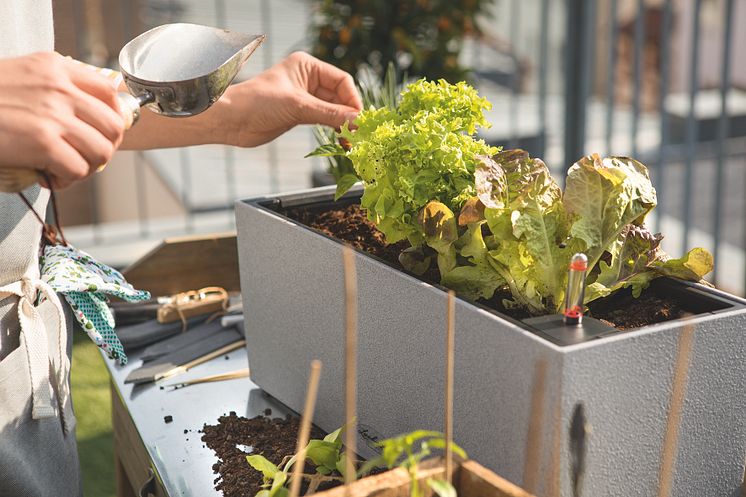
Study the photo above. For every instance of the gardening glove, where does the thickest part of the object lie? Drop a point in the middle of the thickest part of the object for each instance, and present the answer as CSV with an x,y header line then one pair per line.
x,y
85,284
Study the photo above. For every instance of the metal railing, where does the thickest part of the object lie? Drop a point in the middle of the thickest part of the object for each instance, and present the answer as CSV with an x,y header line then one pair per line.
x,y
554,72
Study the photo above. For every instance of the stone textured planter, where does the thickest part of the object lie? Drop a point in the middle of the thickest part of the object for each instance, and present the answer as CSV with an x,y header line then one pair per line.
x,y
292,286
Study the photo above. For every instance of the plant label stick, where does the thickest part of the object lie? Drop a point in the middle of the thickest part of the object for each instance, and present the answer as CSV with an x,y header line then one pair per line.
x,y
671,437
350,278
573,312
450,346
305,427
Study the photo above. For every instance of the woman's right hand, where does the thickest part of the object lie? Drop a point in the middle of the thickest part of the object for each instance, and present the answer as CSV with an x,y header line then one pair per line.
x,y
56,116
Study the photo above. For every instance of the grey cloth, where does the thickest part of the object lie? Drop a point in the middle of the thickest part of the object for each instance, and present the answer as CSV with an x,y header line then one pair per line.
x,y
36,458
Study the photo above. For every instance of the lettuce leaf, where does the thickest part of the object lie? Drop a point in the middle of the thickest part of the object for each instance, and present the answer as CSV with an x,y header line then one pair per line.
x,y
529,230
605,195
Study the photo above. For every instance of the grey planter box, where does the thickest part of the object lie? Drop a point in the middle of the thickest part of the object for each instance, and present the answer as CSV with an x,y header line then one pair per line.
x,y
292,284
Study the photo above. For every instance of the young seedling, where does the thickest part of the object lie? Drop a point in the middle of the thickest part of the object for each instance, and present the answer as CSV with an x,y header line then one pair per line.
x,y
403,452
325,454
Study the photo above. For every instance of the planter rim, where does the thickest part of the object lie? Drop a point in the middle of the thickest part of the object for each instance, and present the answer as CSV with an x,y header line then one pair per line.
x,y
300,198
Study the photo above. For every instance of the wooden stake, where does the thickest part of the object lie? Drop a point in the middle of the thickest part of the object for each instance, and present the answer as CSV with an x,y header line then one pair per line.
x,y
450,349
678,389
533,438
239,373
305,427
552,481
350,277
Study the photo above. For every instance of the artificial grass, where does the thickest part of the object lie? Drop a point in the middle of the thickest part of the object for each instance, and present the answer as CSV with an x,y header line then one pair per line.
x,y
92,402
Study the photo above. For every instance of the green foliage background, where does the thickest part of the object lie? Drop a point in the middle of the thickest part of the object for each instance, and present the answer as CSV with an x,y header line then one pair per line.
x,y
428,34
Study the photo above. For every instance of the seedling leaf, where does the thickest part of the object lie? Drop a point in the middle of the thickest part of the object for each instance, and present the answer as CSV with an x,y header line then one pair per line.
x,y
335,436
260,463
344,183
327,150
439,443
278,485
441,487
323,453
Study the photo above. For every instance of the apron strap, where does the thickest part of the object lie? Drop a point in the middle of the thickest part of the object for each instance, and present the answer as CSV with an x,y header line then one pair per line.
x,y
37,348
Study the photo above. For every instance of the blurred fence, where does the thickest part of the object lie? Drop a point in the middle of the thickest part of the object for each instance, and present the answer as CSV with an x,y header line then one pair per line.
x,y
653,79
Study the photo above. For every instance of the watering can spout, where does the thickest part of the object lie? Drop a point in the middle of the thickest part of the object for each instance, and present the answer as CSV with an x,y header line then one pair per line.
x,y
252,42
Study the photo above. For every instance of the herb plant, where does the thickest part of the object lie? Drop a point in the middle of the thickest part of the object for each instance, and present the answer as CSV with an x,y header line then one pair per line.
x,y
496,219
404,451
407,451
325,454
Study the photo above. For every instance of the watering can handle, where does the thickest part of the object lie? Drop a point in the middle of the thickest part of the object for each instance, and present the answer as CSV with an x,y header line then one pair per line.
x,y
14,180
129,106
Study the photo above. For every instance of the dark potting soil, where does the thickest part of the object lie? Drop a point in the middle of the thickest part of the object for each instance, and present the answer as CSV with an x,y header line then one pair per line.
x,y
627,312
273,438
350,224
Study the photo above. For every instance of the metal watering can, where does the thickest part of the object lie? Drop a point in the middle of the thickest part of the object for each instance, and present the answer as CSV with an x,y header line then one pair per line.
x,y
176,70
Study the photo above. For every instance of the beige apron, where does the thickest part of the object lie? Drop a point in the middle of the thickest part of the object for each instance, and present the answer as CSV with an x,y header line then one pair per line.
x,y
38,454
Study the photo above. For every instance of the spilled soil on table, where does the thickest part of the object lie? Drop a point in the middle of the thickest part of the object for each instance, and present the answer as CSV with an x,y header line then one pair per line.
x,y
235,437
350,224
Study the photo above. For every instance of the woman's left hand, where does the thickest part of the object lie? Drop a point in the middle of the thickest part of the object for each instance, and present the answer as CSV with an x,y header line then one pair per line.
x,y
299,90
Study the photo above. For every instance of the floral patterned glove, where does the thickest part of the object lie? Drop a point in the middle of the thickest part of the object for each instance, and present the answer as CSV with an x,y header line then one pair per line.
x,y
85,284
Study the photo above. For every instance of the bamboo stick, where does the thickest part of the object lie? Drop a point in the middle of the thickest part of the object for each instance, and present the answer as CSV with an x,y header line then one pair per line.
x,y
533,438
305,427
678,390
232,375
552,482
450,353
200,360
350,279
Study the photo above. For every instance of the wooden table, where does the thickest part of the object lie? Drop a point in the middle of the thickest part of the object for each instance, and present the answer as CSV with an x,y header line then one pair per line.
x,y
157,458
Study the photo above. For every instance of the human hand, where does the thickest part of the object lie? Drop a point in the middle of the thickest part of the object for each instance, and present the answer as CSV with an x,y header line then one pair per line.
x,y
56,116
299,90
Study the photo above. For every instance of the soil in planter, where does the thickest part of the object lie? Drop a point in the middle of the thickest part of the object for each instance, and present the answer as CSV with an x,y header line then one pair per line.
x,y
350,224
273,438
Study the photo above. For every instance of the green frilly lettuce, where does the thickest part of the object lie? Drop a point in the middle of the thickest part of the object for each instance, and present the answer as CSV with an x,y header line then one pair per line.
x,y
420,151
